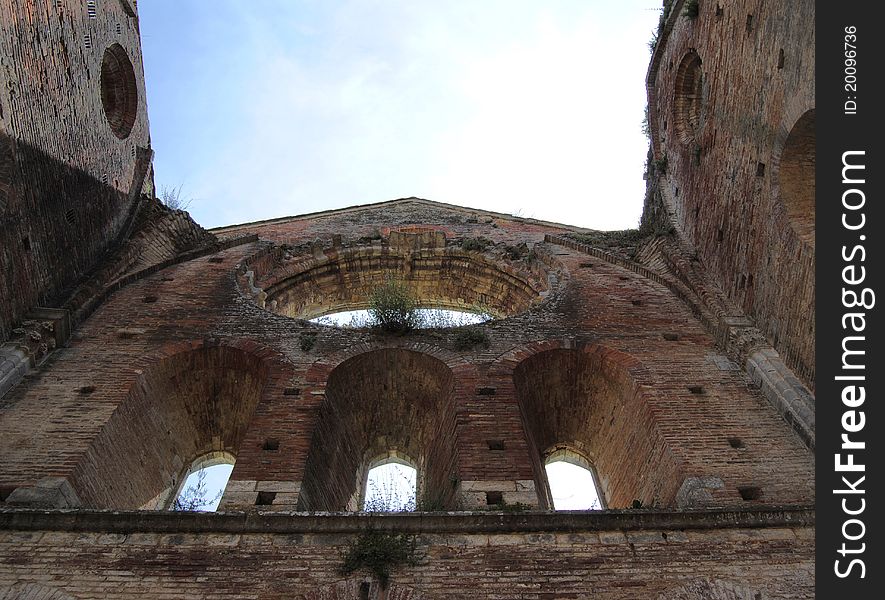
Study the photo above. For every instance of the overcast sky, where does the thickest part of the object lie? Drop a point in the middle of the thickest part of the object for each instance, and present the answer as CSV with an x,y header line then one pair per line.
x,y
270,108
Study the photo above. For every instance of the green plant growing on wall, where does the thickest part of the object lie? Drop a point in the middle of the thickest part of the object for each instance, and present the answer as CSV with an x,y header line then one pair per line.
x,y
171,197
393,308
471,337
660,164
477,244
379,553
307,341
646,125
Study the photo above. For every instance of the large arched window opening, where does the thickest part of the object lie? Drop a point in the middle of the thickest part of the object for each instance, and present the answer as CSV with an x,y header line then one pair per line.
x,y
375,402
202,485
795,177
391,484
572,481
191,404
589,402
688,102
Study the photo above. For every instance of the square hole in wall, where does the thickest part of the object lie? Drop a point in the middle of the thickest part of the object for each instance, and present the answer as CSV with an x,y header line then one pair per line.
x,y
736,442
485,391
760,169
292,391
636,302
494,498
696,389
750,492
496,444
670,337
265,498
150,299
271,444
780,59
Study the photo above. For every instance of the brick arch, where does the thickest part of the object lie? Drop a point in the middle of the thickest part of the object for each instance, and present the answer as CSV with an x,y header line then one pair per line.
x,y
377,398
436,275
793,172
32,591
711,589
591,399
688,101
191,399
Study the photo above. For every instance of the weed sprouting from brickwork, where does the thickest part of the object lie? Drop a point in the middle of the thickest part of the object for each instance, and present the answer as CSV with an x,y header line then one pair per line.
x,y
660,164
307,341
471,337
171,197
477,244
646,124
379,553
393,308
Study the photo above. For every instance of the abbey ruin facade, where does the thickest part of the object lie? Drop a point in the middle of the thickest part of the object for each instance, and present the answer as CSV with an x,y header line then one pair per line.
x,y
677,360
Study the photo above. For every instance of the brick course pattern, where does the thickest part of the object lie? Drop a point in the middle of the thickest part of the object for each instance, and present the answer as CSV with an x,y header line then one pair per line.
x,y
656,412
493,555
65,175
731,103
674,360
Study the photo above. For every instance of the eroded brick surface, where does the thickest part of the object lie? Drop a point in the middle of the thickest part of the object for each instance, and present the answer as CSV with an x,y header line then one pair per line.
x,y
668,362
471,556
738,184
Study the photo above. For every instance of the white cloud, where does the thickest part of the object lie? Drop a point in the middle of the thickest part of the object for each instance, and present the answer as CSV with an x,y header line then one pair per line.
x,y
500,105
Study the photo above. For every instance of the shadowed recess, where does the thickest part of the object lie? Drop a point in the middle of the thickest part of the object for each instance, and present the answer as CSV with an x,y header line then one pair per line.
x,y
439,278
119,91
382,403
588,403
689,98
796,177
184,407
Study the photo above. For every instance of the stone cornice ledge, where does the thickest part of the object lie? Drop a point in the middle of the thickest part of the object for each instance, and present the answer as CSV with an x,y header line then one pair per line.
x,y
425,523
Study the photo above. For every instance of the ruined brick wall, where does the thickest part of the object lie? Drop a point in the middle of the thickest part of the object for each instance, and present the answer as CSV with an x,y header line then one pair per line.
x,y
666,417
635,354
72,115
533,556
731,99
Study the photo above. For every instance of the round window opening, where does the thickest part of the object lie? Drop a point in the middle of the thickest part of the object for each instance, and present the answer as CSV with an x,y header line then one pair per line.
x,y
119,91
396,288
689,99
